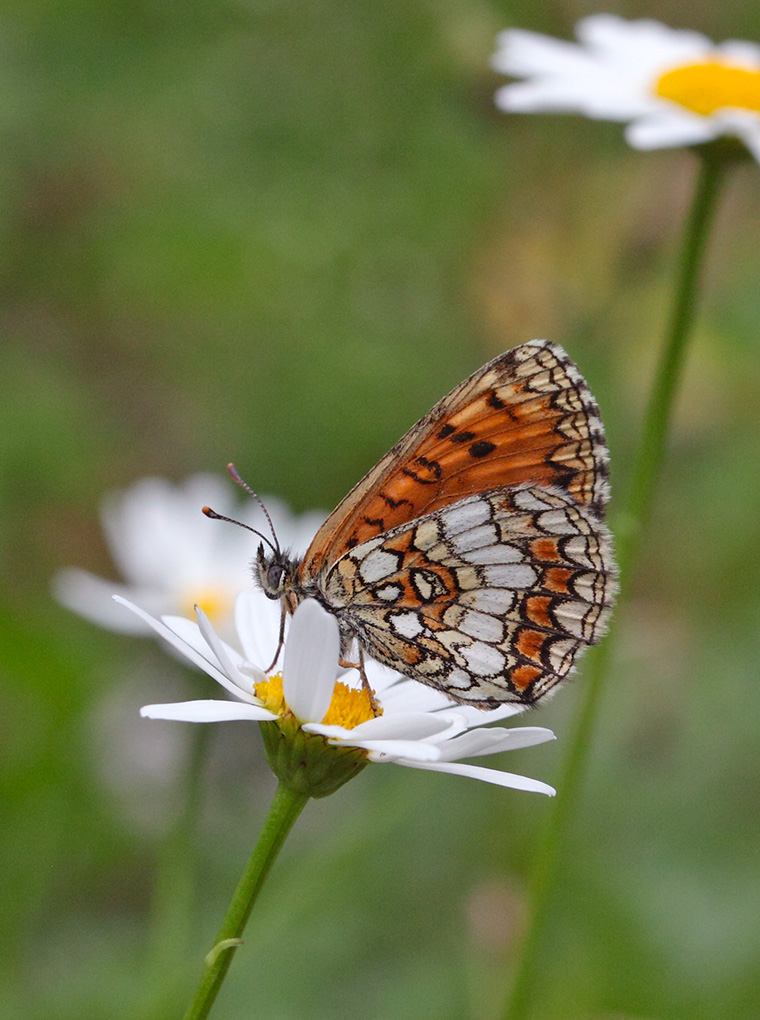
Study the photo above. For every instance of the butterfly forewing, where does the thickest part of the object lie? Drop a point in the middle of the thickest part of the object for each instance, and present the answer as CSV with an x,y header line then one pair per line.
x,y
525,417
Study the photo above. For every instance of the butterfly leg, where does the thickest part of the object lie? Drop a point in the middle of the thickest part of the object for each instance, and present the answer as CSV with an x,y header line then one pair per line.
x,y
280,641
365,682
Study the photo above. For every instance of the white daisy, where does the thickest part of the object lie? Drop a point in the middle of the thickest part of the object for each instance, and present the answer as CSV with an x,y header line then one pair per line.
x,y
171,556
322,719
675,87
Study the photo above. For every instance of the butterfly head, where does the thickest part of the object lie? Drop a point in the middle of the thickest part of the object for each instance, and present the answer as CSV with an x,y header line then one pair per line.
x,y
275,569
275,572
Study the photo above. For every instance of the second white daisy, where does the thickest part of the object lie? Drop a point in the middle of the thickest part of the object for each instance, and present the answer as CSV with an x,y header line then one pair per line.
x,y
674,87
172,557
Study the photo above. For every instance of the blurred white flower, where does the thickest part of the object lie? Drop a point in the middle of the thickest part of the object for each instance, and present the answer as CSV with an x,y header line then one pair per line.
x,y
419,728
137,778
674,87
172,557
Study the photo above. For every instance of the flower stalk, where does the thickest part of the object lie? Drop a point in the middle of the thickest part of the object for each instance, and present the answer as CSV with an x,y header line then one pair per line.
x,y
286,806
630,524
714,161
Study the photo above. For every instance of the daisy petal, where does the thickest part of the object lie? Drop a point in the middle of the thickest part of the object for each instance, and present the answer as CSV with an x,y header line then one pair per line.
x,y
482,717
310,664
240,672
411,726
257,620
508,779
91,597
752,140
478,742
618,39
670,130
206,711
409,696
521,52
217,647
394,750
188,651
740,52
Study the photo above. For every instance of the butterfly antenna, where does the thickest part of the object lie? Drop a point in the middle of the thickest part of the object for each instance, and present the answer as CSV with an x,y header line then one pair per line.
x,y
231,520
235,476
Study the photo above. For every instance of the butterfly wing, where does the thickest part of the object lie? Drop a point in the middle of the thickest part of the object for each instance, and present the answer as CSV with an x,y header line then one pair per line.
x,y
525,417
489,599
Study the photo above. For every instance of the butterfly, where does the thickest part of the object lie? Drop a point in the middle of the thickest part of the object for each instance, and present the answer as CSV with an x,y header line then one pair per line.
x,y
474,556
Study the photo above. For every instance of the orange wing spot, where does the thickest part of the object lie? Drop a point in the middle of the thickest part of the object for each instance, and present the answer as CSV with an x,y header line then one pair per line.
x,y
523,676
410,654
529,643
556,579
545,550
401,543
537,610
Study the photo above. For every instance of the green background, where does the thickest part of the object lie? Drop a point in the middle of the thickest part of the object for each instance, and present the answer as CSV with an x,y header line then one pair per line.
x,y
276,233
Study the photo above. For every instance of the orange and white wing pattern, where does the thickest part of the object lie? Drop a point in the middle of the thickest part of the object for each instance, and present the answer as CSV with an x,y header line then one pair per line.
x,y
474,557
489,599
525,417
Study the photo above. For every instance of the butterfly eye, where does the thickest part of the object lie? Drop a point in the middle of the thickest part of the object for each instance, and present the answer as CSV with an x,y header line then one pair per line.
x,y
270,572
274,577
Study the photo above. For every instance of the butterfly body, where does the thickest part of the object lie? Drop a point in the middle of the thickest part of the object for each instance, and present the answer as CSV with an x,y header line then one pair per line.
x,y
474,557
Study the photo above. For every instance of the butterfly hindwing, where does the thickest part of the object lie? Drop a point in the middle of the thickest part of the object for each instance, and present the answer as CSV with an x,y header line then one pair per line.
x,y
489,598
527,417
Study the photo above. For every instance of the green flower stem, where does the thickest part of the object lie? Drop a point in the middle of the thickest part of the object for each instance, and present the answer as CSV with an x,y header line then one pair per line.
x,y
651,451
629,529
286,807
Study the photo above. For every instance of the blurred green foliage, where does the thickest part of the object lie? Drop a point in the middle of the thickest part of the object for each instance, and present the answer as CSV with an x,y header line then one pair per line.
x,y
276,233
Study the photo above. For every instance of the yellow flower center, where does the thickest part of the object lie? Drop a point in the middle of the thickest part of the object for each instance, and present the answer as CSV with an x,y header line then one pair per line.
x,y
269,693
705,88
215,603
348,707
